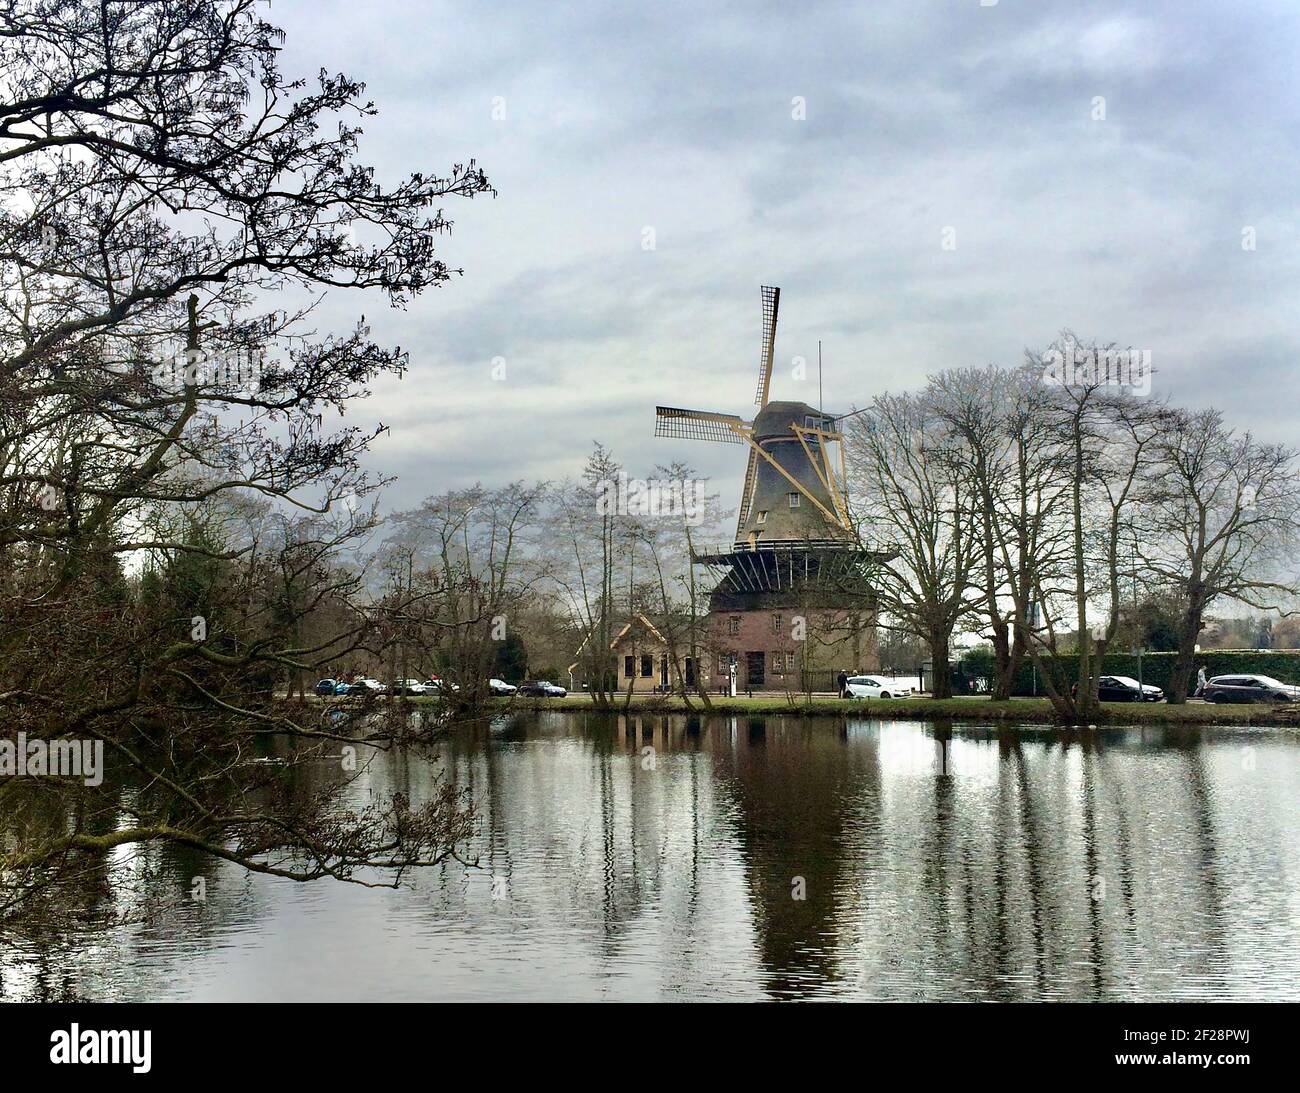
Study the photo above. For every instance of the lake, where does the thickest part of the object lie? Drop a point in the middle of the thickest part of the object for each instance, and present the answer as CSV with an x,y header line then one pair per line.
x,y
668,857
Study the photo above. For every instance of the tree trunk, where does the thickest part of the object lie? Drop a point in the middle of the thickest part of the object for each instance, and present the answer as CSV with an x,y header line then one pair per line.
x,y
1084,702
1006,675
1003,656
939,640
1180,678
1065,707
1004,664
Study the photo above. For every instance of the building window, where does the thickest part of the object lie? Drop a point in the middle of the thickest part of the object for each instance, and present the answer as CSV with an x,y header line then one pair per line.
x,y
777,661
762,517
647,666
776,624
733,625
789,662
629,667
689,671
794,500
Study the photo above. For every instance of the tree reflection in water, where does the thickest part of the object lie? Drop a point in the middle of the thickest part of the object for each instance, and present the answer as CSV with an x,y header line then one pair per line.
x,y
663,856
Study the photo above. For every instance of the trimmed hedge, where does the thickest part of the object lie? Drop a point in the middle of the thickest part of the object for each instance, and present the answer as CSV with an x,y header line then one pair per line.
x,y
1283,664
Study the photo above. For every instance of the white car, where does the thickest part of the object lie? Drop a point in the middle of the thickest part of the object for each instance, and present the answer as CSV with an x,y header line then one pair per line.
x,y
433,685
875,687
409,687
501,688
365,683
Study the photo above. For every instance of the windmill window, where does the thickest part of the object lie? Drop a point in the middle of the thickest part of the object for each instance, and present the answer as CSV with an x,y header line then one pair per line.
x,y
733,625
776,624
794,500
762,517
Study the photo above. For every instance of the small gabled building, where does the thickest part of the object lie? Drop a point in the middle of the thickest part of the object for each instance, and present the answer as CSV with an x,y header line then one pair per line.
x,y
640,656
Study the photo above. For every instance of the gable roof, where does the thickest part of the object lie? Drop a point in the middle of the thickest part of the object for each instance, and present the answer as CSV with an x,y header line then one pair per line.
x,y
637,618
645,622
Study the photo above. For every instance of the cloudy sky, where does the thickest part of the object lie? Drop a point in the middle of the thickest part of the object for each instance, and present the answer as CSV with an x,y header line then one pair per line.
x,y
1097,164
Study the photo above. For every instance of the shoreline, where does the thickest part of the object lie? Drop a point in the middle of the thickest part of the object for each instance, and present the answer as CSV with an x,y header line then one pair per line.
x,y
1037,711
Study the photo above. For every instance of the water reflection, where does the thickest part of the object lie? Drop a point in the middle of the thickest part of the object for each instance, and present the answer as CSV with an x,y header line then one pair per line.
x,y
653,856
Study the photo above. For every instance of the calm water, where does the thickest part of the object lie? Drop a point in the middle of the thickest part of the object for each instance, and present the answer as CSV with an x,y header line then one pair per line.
x,y
933,864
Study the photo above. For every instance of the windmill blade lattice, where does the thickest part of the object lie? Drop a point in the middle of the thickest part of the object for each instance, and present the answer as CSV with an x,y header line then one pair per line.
x,y
771,304
698,425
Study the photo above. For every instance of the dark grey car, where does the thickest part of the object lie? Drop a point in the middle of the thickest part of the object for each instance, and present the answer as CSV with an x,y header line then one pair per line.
x,y
1250,689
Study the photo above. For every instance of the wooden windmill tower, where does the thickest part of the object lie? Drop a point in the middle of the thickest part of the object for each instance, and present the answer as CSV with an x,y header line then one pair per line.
x,y
794,549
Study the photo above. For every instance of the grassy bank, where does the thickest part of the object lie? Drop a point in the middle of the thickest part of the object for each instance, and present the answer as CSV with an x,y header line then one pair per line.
x,y
1021,710
1034,710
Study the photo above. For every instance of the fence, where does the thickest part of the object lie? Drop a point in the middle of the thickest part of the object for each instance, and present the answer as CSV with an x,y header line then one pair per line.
x,y
819,680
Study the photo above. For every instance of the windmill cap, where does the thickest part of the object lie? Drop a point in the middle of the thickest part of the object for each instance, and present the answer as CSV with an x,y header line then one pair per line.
x,y
775,419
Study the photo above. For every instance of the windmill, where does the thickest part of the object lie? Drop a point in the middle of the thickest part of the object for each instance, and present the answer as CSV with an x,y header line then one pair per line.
x,y
795,555
792,492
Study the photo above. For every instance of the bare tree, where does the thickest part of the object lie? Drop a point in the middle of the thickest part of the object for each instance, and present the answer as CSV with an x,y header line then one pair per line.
x,y
999,437
1097,438
159,175
1222,516
585,530
471,568
917,514
675,598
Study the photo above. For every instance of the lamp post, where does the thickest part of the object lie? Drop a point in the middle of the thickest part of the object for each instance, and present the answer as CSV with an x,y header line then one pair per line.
x,y
1035,622
1137,625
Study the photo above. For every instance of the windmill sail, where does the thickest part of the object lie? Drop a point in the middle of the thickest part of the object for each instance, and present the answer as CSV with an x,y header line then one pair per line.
x,y
747,492
771,303
699,425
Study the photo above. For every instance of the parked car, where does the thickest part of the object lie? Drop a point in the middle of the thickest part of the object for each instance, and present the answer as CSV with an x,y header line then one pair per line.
x,y
501,688
434,685
408,687
541,688
1250,689
1150,692
875,687
1123,689
366,685
342,687
327,686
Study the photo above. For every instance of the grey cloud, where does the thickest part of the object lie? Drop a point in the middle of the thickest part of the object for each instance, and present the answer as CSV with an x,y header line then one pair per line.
x,y
920,116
